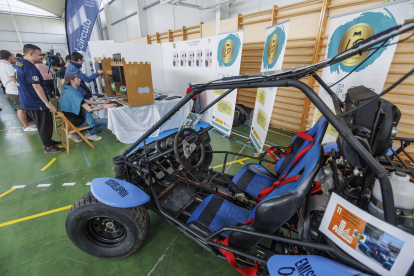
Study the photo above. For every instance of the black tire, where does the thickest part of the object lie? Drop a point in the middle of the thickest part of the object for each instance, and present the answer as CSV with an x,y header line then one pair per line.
x,y
130,228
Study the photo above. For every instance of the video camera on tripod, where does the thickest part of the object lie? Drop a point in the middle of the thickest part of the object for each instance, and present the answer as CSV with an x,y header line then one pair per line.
x,y
53,59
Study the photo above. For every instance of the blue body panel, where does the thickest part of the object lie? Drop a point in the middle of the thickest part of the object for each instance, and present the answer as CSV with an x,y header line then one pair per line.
x,y
300,265
118,193
331,145
166,133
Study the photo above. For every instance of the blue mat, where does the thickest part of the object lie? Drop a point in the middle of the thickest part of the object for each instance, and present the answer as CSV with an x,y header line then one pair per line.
x,y
166,133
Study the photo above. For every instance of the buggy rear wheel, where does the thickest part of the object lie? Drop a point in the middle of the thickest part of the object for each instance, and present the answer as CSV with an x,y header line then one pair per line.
x,y
104,231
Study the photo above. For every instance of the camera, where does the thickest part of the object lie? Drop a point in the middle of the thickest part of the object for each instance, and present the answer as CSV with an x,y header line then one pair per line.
x,y
54,60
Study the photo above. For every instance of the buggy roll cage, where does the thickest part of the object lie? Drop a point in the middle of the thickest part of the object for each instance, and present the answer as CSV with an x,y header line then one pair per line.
x,y
286,78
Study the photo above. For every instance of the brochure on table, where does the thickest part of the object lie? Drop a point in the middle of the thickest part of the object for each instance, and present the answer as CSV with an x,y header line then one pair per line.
x,y
273,54
384,248
347,30
227,64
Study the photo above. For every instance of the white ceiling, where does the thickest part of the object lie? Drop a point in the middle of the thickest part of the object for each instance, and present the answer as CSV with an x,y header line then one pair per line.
x,y
57,7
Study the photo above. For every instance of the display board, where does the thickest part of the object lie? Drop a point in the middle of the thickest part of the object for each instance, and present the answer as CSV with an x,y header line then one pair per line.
x,y
369,69
273,54
227,64
132,52
381,246
189,61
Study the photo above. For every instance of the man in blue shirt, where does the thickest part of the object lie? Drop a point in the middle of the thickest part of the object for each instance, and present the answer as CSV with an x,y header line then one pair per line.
x,y
75,66
33,98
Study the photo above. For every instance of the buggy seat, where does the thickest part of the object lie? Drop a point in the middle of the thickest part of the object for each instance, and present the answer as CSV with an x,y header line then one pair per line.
x,y
253,178
215,212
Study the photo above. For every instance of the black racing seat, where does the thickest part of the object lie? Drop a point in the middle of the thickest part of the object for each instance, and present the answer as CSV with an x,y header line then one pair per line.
x,y
253,178
215,212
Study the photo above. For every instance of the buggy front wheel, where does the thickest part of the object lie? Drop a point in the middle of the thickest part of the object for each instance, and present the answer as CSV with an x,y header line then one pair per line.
x,y
104,231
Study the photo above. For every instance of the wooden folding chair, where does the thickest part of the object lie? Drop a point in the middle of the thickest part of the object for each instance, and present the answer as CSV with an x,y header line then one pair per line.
x,y
68,128
55,114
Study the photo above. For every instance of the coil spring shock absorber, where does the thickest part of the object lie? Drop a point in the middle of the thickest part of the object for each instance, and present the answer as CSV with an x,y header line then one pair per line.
x,y
120,167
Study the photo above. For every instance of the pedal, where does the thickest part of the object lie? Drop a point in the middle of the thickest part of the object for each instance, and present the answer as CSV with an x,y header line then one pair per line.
x,y
207,184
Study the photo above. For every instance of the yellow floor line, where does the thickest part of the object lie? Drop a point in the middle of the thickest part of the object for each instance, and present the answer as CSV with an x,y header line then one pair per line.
x,y
237,161
14,133
48,164
5,193
35,216
9,128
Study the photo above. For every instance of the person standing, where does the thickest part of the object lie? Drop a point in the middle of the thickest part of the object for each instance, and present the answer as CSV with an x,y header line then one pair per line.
x,y
33,98
75,66
62,70
48,78
7,60
19,56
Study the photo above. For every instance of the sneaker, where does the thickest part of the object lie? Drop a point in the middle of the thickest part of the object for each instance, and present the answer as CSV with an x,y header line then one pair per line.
x,y
30,128
75,137
56,144
93,137
53,149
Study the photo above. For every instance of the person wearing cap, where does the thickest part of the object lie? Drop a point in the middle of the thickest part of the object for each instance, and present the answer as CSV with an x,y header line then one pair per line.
x,y
78,110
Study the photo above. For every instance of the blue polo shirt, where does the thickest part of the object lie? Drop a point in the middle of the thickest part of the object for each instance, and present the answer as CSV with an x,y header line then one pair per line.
x,y
27,74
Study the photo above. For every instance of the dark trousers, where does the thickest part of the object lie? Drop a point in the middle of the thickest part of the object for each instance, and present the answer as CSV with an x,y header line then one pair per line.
x,y
44,124
50,85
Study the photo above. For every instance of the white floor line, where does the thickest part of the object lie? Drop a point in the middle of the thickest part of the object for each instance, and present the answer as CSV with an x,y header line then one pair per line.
x,y
280,133
89,183
228,168
68,184
43,185
18,187
248,138
162,256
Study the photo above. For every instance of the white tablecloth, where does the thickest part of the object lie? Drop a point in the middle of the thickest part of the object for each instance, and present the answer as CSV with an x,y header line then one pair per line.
x,y
130,123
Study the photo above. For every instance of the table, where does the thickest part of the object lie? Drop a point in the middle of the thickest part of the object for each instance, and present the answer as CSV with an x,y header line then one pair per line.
x,y
130,123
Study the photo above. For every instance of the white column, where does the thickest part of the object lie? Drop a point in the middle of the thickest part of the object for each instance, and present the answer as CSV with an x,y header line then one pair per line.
x,y
17,31
222,12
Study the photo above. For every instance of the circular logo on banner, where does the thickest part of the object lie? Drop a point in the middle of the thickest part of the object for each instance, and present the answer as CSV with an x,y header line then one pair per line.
x,y
357,30
353,36
272,48
229,49
274,44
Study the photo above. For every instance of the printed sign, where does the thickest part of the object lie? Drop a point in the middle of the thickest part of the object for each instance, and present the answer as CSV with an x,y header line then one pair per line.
x,y
273,53
227,65
384,248
369,68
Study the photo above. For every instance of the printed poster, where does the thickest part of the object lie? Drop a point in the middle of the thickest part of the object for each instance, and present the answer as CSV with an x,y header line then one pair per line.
x,y
227,65
382,247
183,58
348,30
199,58
191,58
273,54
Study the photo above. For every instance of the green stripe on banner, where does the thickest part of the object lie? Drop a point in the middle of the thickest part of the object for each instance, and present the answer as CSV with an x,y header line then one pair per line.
x,y
255,141
220,126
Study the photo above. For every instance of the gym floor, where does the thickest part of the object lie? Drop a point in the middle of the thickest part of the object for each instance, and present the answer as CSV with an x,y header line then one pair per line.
x,y
33,239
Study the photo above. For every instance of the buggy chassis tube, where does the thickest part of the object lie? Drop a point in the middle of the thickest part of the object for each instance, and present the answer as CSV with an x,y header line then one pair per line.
x,y
208,240
386,189
215,244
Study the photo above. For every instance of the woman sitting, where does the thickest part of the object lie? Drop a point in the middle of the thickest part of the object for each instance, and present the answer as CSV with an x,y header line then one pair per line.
x,y
78,110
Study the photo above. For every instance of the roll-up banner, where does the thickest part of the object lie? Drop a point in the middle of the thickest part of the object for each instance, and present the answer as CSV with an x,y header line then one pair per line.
x,y
273,54
347,30
227,65
80,16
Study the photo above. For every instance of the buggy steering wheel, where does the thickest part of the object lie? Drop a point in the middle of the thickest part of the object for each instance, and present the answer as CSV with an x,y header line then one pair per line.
x,y
188,148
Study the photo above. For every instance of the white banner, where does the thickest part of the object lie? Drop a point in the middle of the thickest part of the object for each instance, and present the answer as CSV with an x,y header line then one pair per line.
x,y
273,54
227,64
347,30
